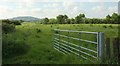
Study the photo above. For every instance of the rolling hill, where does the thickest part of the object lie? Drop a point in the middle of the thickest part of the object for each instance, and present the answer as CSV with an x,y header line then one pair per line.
x,y
26,18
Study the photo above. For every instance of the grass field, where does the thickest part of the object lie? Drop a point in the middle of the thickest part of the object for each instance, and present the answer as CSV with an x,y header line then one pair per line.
x,y
40,42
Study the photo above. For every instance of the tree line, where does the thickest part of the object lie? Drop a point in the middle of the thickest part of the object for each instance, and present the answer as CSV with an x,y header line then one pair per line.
x,y
82,19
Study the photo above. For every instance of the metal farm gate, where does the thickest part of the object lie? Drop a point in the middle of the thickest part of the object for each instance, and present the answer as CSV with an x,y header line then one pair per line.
x,y
71,41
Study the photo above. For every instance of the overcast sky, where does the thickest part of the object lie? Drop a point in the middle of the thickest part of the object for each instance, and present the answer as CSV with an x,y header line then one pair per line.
x,y
52,8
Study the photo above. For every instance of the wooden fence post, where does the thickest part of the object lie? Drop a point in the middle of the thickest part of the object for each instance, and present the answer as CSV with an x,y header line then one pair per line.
x,y
116,52
108,49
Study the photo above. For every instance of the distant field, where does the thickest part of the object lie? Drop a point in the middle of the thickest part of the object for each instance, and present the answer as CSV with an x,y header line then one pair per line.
x,y
41,50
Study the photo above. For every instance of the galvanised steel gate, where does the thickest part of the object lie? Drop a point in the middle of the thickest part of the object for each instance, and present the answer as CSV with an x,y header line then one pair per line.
x,y
63,43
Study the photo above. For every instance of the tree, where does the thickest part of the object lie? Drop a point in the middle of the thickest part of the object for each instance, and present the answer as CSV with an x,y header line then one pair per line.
x,y
7,21
118,19
52,21
72,21
62,19
65,19
108,19
114,18
45,21
87,21
15,22
9,25
81,15
79,18
6,28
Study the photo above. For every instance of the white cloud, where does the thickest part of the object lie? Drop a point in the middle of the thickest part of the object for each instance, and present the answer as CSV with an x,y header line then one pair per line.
x,y
101,11
4,12
69,7
56,9
72,9
80,0
33,1
98,11
69,3
113,9
102,0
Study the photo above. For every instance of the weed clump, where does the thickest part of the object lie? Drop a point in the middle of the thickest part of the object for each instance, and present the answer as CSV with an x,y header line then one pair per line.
x,y
57,27
56,32
73,25
91,25
37,36
51,26
104,26
110,26
38,30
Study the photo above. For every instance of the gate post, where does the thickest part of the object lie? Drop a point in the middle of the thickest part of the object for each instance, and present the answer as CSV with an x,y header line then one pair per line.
x,y
101,46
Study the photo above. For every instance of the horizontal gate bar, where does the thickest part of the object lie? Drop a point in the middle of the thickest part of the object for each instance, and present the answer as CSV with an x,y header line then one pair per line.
x,y
60,49
88,54
79,51
78,46
86,58
77,39
76,31
70,50
65,46
75,54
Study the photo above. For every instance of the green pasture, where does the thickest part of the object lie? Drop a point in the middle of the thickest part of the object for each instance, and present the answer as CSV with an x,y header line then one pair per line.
x,y
40,39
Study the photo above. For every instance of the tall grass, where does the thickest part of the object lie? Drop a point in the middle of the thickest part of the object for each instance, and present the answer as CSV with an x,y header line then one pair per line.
x,y
40,41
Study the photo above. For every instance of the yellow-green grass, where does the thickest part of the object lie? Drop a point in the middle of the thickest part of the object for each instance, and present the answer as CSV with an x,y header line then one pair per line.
x,y
41,48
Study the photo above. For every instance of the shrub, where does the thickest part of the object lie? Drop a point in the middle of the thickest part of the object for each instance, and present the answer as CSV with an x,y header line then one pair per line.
x,y
38,30
104,26
6,21
56,32
15,22
12,48
51,26
73,25
9,26
110,26
57,27
6,28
